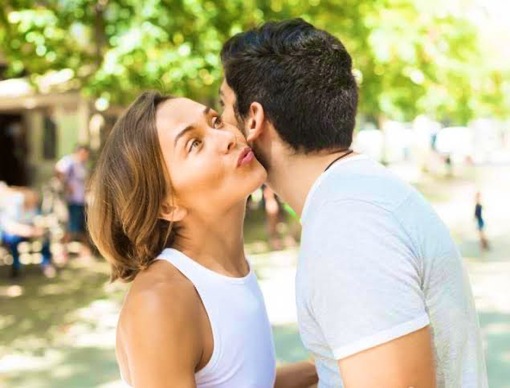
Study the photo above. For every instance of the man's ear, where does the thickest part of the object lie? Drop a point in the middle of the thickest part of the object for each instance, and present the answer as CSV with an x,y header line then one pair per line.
x,y
172,213
256,122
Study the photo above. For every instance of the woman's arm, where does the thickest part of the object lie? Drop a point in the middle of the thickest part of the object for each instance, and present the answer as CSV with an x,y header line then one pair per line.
x,y
296,375
162,347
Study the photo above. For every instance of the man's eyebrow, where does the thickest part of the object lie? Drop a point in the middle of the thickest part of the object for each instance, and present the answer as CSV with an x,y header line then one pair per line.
x,y
190,127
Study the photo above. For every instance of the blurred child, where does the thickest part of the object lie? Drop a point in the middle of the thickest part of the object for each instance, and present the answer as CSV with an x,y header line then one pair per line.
x,y
484,243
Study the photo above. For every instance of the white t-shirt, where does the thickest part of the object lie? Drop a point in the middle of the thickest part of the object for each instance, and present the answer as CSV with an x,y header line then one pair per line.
x,y
75,174
377,263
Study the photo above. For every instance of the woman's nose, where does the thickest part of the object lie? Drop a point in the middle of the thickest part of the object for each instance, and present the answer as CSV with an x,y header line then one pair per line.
x,y
229,140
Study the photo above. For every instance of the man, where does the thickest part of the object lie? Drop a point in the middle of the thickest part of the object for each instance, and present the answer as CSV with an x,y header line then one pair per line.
x,y
72,171
382,296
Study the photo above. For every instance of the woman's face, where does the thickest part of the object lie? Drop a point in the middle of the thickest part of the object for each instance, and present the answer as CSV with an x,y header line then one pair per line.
x,y
210,165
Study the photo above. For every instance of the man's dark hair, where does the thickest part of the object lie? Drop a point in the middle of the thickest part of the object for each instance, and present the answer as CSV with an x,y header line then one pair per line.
x,y
301,75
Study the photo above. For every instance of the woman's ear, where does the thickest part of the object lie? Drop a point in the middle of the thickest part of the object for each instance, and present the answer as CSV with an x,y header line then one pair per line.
x,y
172,213
255,124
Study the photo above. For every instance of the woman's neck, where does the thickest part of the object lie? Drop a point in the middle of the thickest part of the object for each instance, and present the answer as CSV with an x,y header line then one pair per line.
x,y
215,241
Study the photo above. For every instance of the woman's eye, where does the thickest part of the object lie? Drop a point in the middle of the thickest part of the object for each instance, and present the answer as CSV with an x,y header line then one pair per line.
x,y
217,122
194,144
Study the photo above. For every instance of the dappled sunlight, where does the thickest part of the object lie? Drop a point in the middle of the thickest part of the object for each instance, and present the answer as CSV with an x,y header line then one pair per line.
x,y
506,357
53,289
11,291
62,367
29,363
498,328
496,335
6,320
102,315
60,329
114,384
491,286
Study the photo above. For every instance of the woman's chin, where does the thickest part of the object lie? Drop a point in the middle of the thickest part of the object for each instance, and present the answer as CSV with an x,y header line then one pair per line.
x,y
262,175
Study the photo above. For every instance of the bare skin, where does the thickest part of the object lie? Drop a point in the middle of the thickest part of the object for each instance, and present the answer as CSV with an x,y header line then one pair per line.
x,y
405,362
156,345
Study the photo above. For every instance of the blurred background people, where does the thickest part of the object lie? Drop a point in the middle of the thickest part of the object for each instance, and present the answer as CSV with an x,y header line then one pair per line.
x,y
72,171
480,222
18,219
272,209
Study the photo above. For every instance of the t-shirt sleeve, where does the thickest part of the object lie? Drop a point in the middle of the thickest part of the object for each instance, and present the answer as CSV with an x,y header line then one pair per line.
x,y
366,283
63,166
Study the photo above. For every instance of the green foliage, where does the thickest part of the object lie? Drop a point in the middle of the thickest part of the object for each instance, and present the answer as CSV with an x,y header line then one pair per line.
x,y
411,56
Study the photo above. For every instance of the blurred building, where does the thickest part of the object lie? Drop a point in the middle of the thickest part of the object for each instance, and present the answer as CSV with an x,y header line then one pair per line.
x,y
40,125
37,128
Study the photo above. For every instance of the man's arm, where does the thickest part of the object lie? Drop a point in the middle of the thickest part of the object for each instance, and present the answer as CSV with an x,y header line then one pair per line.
x,y
296,375
405,362
368,299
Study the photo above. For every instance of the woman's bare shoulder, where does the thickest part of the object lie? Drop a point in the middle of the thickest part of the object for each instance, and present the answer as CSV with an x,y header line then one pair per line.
x,y
159,295
154,325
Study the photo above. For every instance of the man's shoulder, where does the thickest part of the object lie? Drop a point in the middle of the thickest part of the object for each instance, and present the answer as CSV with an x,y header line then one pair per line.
x,y
378,194
365,181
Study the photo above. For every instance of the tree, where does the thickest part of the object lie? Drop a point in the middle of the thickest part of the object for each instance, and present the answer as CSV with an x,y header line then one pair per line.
x,y
411,56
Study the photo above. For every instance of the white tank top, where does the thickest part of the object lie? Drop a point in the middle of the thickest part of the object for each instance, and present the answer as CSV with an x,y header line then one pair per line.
x,y
243,354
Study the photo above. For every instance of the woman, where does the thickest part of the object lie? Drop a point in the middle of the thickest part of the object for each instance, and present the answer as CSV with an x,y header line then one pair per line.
x,y
168,201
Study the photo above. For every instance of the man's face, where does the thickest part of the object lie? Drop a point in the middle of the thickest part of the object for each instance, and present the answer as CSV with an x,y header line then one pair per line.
x,y
229,116
228,101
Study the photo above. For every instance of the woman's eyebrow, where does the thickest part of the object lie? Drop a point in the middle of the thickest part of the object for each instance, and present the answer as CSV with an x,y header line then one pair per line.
x,y
205,112
182,133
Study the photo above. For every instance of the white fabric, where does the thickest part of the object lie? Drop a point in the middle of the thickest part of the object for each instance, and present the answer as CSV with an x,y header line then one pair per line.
x,y
13,211
75,174
243,354
376,263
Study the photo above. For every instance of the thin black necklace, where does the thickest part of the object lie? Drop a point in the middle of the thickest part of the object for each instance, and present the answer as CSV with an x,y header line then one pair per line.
x,y
337,159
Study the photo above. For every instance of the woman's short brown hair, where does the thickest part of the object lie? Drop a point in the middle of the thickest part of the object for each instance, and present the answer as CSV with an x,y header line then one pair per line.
x,y
128,188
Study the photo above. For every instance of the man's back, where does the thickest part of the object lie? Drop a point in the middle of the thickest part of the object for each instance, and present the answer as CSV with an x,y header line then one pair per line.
x,y
377,263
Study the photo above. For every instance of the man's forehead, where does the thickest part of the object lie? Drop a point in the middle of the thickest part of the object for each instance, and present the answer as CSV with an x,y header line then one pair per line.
x,y
226,91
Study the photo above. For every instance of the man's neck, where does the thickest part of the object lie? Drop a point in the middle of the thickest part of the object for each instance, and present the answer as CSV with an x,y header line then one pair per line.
x,y
292,177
